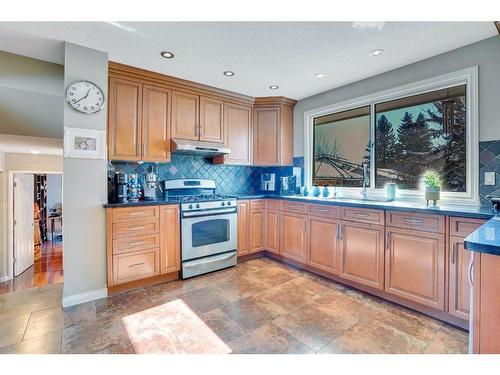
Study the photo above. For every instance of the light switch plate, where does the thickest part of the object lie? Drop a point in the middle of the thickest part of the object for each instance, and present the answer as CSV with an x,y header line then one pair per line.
x,y
489,178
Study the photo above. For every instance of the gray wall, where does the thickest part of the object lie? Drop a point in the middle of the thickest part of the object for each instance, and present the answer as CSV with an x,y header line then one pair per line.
x,y
31,97
84,184
485,54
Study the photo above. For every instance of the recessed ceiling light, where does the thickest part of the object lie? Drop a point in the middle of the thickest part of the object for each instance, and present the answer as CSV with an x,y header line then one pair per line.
x,y
274,87
228,73
320,75
377,52
167,54
34,152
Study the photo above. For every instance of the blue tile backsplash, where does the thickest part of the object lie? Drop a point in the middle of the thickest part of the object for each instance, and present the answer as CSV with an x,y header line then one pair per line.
x,y
229,179
489,161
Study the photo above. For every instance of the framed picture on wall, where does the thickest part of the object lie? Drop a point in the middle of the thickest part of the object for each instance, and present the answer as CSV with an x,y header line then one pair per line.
x,y
84,143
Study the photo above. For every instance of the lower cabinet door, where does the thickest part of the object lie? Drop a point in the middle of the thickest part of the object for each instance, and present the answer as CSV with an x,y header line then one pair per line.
x,y
293,234
136,265
272,242
323,249
415,266
243,230
459,287
257,221
169,239
362,254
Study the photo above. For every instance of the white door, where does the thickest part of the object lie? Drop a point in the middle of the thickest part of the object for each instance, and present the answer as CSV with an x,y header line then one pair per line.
x,y
24,243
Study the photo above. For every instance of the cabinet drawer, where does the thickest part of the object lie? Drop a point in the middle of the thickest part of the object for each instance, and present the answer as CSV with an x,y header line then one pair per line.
x,y
298,207
411,220
462,227
256,204
135,213
137,265
362,215
128,244
324,210
272,204
136,228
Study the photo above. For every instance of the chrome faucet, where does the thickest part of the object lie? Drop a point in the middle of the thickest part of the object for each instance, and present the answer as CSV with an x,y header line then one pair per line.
x,y
364,192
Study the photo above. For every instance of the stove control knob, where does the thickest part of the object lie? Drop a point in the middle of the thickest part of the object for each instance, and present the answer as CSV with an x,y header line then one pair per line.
x,y
190,206
228,203
197,205
223,204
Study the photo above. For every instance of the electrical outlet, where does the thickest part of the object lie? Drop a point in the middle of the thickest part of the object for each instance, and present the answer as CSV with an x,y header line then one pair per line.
x,y
489,178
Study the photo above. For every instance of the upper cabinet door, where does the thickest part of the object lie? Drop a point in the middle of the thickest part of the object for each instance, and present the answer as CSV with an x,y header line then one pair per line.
x,y
156,124
266,136
211,120
238,128
185,115
124,120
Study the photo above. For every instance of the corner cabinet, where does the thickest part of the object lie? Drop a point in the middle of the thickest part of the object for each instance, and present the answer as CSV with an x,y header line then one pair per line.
x,y
138,122
273,131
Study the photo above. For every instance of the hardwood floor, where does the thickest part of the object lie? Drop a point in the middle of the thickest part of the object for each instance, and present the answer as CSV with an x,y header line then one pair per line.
x,y
259,306
46,270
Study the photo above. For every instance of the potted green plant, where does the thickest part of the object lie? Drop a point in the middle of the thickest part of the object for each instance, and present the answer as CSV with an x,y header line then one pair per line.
x,y
432,186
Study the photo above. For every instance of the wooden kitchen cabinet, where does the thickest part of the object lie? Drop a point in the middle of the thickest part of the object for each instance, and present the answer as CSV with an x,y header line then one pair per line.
x,y
185,116
415,266
273,131
362,253
243,231
155,124
238,135
257,229
169,239
124,120
272,239
323,249
139,122
211,120
293,236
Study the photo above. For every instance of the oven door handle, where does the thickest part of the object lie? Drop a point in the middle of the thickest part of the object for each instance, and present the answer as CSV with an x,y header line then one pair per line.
x,y
209,212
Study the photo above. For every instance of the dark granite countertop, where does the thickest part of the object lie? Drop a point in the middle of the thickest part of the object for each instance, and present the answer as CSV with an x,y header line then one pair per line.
x,y
450,210
486,239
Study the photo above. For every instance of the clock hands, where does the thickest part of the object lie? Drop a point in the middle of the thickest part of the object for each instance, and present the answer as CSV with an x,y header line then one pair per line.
x,y
87,94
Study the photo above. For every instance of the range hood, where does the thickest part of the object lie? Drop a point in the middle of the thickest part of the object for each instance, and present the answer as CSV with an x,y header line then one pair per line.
x,y
205,149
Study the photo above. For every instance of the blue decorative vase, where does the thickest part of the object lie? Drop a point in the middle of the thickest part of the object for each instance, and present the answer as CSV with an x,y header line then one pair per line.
x,y
325,192
306,192
316,192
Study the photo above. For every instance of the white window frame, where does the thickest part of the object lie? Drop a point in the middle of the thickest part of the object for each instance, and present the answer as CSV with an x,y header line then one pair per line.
x,y
468,76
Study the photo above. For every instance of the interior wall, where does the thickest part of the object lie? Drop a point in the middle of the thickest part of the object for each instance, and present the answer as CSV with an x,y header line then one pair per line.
x,y
485,54
85,189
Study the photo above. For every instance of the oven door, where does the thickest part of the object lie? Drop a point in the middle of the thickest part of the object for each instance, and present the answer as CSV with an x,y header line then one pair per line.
x,y
208,234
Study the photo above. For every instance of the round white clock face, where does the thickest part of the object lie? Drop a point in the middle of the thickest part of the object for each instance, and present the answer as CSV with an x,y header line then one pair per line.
x,y
85,96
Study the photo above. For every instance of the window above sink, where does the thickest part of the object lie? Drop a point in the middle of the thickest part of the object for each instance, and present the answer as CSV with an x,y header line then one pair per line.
x,y
400,133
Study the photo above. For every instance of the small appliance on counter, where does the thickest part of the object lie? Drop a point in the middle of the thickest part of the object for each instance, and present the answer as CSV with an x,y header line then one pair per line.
x,y
267,181
121,187
495,201
288,185
151,184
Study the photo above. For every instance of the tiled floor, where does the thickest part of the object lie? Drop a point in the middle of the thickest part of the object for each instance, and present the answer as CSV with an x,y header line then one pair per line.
x,y
261,306
46,270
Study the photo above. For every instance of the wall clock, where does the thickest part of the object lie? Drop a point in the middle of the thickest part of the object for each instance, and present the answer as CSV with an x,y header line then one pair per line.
x,y
85,96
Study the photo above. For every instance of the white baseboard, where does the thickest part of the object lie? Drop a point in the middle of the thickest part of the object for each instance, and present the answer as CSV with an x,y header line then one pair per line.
x,y
76,299
4,278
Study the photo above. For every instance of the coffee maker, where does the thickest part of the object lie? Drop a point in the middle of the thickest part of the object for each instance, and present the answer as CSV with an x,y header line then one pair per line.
x,y
121,187
150,184
267,181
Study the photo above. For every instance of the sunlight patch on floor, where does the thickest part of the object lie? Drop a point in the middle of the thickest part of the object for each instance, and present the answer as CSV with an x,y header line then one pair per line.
x,y
172,328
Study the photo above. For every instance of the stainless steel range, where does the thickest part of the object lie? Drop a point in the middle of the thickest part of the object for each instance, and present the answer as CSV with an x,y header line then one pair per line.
x,y
208,226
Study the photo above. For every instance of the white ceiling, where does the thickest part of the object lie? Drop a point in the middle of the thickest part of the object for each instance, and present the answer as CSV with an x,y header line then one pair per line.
x,y
260,53
22,145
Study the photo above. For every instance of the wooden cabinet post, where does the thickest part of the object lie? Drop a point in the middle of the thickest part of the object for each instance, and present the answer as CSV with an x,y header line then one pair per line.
x,y
243,231
169,239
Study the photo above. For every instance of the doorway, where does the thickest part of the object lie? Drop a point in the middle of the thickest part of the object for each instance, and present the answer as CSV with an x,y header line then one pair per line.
x,y
37,220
